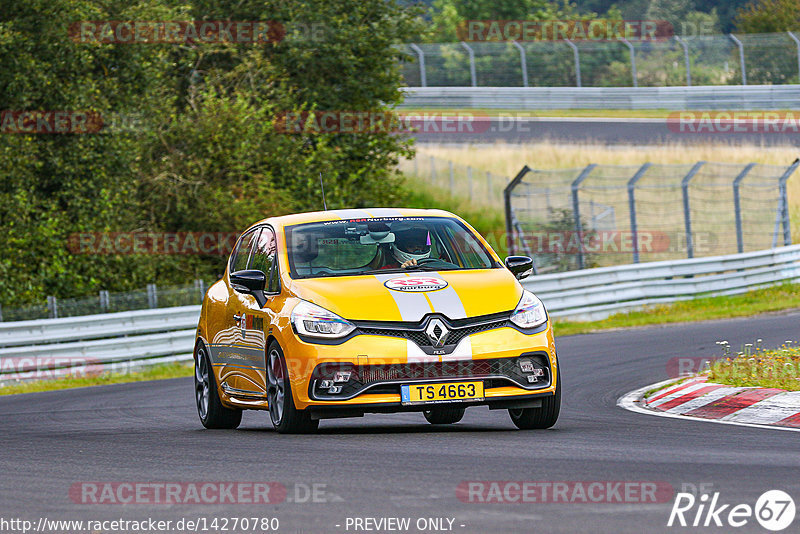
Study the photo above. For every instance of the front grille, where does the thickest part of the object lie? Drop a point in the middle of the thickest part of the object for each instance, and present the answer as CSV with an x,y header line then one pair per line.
x,y
458,330
373,378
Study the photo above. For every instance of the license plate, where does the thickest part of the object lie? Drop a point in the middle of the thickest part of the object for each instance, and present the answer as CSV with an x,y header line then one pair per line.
x,y
444,392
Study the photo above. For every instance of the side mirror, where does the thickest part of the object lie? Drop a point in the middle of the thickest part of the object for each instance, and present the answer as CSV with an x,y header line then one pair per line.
x,y
520,266
252,282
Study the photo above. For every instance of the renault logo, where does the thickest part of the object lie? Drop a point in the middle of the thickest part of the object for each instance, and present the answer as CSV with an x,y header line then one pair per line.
x,y
437,332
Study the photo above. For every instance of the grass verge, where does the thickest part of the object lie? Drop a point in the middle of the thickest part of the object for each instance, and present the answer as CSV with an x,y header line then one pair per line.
x,y
771,299
779,368
157,372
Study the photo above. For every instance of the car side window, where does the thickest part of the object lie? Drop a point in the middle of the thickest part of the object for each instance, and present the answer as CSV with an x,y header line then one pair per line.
x,y
239,260
265,258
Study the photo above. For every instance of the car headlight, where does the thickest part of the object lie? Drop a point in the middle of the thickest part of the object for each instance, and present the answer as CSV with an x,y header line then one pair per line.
x,y
530,311
315,321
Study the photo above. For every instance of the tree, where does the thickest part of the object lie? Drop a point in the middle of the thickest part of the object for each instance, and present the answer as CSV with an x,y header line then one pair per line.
x,y
52,185
205,155
769,16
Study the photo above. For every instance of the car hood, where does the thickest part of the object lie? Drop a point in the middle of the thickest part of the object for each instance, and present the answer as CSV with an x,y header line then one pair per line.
x,y
368,298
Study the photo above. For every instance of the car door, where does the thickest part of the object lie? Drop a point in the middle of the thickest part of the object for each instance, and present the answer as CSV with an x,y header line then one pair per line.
x,y
254,320
240,354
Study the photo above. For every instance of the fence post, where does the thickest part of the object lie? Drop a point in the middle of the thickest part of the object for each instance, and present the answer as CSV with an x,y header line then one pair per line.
x,y
152,296
737,206
421,55
686,60
632,208
469,179
687,217
797,42
433,169
52,307
576,211
741,57
633,61
523,63
104,300
511,244
472,74
787,231
452,178
201,287
577,56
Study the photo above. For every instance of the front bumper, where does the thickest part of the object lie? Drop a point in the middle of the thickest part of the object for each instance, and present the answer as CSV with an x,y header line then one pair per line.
x,y
374,382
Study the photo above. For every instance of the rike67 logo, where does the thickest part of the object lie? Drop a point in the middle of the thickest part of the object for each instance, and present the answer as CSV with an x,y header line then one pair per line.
x,y
774,510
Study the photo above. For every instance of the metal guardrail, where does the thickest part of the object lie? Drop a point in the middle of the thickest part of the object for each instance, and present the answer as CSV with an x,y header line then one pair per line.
x,y
120,341
94,344
597,293
130,323
760,97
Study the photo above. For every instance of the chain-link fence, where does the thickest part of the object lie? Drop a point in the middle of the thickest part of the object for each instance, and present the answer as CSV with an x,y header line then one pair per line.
x,y
741,59
110,302
605,215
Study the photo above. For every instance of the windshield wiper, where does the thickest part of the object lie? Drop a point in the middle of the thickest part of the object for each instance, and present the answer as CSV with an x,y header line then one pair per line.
x,y
385,271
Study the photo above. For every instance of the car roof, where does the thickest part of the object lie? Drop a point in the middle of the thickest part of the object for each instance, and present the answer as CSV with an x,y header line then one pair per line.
x,y
357,213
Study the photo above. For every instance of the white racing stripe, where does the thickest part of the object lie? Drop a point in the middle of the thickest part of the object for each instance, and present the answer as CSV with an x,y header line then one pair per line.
x,y
353,214
385,212
413,306
446,301
416,354
463,351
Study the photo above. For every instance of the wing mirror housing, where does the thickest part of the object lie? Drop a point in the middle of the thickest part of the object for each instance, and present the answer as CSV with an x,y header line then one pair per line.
x,y
251,282
520,266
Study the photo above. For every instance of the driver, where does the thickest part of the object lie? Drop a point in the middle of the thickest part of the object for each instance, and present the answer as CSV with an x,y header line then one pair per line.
x,y
410,246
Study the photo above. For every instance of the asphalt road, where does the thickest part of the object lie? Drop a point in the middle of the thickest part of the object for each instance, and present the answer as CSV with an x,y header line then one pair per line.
x,y
610,131
398,465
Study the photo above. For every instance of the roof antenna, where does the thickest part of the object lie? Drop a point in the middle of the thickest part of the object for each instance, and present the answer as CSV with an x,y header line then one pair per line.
x,y
324,205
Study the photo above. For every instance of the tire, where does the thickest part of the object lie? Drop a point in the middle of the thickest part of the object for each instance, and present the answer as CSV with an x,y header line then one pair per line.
x,y
285,417
543,417
444,415
209,407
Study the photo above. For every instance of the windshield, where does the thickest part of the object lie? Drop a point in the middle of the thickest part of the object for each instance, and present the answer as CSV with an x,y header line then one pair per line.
x,y
388,244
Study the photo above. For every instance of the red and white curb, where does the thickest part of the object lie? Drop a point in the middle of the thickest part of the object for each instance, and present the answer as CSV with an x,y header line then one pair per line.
x,y
699,399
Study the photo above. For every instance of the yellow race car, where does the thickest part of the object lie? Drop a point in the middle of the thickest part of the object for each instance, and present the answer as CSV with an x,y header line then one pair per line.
x,y
341,313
